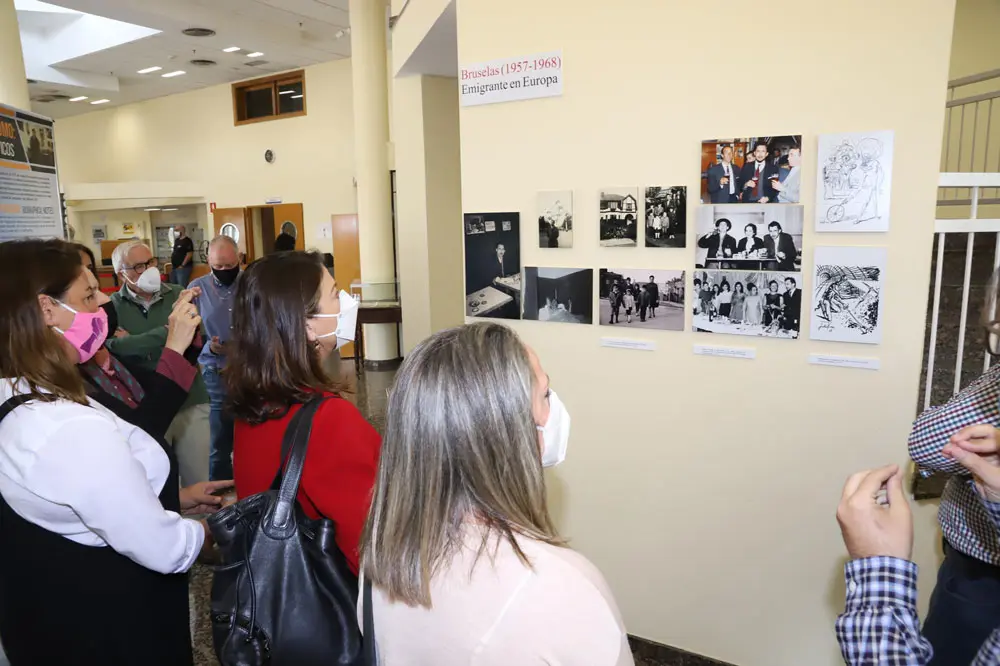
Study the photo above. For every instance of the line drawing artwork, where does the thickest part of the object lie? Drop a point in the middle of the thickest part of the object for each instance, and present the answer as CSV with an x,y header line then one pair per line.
x,y
854,182
847,294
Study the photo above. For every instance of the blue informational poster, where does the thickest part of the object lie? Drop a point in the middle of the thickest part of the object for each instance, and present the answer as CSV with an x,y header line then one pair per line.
x,y
29,184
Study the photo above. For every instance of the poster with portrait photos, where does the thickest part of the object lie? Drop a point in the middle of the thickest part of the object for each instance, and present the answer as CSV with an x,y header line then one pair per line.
x,y
752,170
492,265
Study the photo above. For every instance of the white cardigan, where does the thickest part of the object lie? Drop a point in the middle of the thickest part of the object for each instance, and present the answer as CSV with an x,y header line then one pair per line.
x,y
93,478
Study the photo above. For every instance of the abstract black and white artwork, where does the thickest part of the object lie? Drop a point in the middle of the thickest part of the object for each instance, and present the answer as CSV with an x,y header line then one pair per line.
x,y
619,215
492,265
563,295
755,303
847,294
666,216
555,219
854,179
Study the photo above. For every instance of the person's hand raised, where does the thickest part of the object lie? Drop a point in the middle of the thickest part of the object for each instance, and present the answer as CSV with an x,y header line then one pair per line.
x,y
183,323
975,448
872,526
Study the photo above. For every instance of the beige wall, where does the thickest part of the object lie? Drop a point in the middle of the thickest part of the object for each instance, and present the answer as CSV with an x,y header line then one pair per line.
x,y
191,138
705,488
428,204
115,220
975,48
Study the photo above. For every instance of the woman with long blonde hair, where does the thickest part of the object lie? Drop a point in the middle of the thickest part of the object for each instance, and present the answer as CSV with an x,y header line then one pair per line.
x,y
464,559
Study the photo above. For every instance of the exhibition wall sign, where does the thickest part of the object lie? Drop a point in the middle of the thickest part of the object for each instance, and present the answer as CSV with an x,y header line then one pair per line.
x,y
512,79
29,187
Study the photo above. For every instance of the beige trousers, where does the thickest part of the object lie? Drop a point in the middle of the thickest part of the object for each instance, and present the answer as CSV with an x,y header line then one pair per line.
x,y
190,436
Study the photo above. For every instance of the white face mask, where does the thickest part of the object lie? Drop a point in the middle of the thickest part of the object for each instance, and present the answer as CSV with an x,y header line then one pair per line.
x,y
149,280
555,432
346,320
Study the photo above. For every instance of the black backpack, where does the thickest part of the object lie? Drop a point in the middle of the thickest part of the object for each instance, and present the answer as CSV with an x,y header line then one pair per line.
x,y
284,594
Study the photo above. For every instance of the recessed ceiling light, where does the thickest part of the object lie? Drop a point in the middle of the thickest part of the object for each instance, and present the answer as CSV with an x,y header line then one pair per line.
x,y
255,54
100,101
149,70
148,210
79,99
166,209
170,75
231,49
296,96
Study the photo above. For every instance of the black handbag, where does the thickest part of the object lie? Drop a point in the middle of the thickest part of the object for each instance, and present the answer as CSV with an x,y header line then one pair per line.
x,y
284,594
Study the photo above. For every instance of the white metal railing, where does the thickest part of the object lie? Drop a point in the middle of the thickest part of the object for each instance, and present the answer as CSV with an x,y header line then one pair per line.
x,y
976,184
969,146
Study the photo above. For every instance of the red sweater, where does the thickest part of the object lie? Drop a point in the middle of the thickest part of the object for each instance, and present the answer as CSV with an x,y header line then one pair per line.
x,y
339,471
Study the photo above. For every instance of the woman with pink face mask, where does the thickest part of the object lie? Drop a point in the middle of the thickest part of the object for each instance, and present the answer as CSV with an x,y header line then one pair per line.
x,y
90,509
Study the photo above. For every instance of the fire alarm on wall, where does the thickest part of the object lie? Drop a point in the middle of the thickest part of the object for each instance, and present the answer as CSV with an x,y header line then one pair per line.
x,y
269,156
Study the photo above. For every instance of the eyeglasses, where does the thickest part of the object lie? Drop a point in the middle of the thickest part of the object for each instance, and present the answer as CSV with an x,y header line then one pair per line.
x,y
141,267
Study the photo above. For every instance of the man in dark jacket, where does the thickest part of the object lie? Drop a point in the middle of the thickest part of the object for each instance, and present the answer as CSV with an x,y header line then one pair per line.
x,y
780,248
755,179
654,296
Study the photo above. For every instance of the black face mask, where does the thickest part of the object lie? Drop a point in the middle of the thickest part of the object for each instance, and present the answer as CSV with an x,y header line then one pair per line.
x,y
226,276
109,309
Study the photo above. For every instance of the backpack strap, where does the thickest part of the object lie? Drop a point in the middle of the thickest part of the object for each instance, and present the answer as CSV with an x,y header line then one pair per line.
x,y
13,403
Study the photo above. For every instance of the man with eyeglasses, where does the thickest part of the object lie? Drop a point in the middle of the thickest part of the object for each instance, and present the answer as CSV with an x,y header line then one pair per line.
x,y
144,304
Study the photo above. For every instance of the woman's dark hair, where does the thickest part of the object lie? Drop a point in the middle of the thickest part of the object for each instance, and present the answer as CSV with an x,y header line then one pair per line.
x,y
715,288
751,285
272,365
284,243
80,247
725,285
751,226
774,282
31,351
740,285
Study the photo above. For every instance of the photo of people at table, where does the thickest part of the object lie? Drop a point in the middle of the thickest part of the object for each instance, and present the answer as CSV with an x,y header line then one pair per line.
x,y
751,170
756,303
758,238
493,265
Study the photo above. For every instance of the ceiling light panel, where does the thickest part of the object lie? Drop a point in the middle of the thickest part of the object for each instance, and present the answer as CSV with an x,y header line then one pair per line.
x,y
170,75
255,54
231,49
79,99
100,101
149,70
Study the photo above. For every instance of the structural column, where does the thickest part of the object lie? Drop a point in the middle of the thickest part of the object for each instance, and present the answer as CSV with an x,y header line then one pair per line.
x,y
369,30
13,81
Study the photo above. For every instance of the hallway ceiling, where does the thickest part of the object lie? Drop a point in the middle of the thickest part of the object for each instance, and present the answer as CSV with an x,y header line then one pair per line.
x,y
94,48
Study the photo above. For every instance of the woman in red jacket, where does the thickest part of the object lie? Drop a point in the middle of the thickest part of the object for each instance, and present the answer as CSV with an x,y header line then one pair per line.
x,y
288,316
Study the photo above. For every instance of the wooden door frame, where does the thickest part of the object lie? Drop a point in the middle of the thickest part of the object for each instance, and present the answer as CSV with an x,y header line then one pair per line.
x,y
247,228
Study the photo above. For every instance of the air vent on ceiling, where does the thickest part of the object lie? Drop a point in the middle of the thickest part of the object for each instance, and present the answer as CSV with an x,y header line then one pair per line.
x,y
202,62
198,32
257,63
44,99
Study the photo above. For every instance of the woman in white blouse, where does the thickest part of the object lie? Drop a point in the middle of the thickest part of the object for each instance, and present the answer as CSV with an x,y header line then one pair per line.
x,y
465,562
94,546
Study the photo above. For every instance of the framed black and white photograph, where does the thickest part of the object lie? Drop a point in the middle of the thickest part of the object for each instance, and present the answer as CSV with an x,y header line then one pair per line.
x,y
642,299
619,215
555,219
762,238
752,170
666,216
755,303
493,265
559,295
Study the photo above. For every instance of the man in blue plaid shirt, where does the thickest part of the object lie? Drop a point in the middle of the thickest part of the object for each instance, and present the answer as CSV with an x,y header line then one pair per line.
x,y
879,626
965,605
